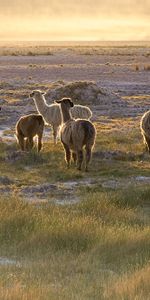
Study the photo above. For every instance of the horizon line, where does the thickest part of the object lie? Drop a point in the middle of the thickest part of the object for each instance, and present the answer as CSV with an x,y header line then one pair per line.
x,y
75,41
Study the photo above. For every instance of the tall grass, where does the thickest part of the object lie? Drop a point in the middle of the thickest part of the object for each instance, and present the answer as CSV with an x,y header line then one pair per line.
x,y
87,251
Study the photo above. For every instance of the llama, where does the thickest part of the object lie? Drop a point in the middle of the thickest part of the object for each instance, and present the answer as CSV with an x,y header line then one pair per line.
x,y
26,128
52,115
76,134
81,112
145,129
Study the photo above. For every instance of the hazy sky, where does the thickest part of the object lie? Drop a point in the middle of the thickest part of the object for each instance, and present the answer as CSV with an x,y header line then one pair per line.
x,y
75,20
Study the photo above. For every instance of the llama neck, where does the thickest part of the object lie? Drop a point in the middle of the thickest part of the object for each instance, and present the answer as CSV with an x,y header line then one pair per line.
x,y
65,112
40,104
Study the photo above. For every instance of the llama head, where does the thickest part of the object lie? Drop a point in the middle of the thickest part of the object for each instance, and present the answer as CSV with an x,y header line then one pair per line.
x,y
66,102
36,93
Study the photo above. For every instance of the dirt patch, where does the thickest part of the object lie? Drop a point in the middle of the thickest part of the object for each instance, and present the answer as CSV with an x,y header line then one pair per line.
x,y
4,261
118,155
60,193
13,156
67,192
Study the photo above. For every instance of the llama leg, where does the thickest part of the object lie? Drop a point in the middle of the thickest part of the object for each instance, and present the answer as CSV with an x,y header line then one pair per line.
x,y
88,158
74,156
80,159
30,143
39,143
20,139
147,143
27,147
55,133
67,155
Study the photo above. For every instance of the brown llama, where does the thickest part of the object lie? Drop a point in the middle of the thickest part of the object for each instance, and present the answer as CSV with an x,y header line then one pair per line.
x,y
75,135
26,128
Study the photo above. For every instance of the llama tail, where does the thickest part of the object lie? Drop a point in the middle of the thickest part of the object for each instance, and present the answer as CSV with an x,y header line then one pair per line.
x,y
90,133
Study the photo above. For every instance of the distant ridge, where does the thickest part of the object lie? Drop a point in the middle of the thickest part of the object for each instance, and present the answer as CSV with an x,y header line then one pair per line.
x,y
77,43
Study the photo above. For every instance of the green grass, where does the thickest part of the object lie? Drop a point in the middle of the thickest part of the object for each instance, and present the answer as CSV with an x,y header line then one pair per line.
x,y
95,249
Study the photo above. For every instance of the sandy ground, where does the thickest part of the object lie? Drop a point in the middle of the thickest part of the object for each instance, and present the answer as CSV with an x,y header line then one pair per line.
x,y
114,69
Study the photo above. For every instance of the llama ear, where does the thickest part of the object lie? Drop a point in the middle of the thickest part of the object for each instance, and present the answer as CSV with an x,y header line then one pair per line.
x,y
71,102
43,93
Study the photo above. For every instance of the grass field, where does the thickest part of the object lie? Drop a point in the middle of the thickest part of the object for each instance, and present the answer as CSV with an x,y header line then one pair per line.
x,y
97,248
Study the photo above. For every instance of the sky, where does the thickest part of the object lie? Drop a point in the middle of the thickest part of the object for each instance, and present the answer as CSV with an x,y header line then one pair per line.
x,y
75,20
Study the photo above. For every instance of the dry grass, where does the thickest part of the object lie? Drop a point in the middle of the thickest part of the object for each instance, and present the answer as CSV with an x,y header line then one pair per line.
x,y
82,48
24,50
81,252
131,286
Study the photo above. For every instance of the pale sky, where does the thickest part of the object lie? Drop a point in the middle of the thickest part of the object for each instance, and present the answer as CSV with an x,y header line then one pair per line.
x,y
62,20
